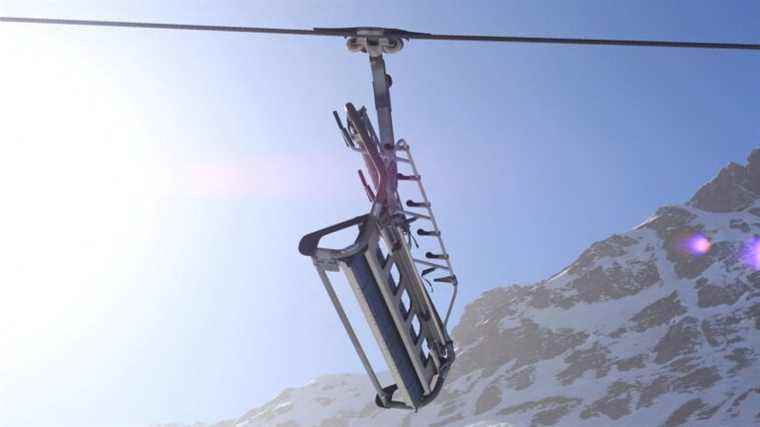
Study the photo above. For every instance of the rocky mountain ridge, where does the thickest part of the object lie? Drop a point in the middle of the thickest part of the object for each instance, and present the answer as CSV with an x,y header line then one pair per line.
x,y
658,326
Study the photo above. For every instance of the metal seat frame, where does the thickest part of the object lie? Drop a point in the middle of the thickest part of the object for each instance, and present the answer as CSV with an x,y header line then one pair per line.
x,y
418,359
390,291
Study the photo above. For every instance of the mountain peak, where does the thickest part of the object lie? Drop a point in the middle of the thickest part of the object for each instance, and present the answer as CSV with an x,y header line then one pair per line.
x,y
735,187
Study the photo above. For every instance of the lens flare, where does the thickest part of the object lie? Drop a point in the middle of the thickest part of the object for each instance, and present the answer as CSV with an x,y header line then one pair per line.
x,y
751,253
692,243
698,244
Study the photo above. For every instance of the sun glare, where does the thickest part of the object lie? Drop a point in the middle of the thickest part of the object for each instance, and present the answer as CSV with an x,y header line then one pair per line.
x,y
79,191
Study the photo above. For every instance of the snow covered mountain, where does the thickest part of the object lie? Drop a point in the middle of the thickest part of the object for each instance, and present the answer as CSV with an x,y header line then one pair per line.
x,y
658,326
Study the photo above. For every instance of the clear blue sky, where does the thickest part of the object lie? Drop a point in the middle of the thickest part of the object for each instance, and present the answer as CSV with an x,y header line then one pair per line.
x,y
155,184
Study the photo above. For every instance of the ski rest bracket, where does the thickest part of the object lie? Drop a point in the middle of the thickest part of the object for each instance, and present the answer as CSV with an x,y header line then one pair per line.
x,y
418,357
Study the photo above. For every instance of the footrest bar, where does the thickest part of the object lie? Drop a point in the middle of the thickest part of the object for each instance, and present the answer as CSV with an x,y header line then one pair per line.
x,y
431,264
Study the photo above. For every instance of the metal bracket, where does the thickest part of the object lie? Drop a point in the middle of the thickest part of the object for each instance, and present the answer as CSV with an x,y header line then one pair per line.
x,y
375,41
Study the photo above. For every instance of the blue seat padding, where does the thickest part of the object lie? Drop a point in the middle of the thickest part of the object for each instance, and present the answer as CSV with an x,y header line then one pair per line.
x,y
390,335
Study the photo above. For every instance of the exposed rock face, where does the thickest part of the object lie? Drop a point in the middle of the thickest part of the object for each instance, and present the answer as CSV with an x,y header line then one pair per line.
x,y
735,188
681,338
490,398
681,415
636,332
710,295
659,312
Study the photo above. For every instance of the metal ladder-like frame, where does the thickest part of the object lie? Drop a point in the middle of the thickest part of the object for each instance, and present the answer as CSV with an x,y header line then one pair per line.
x,y
451,278
443,254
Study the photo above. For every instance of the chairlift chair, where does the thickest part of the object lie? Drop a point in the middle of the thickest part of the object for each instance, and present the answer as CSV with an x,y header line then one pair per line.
x,y
380,265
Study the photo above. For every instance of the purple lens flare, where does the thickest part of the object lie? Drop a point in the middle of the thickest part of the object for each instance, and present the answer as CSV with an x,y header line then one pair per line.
x,y
698,244
692,243
751,253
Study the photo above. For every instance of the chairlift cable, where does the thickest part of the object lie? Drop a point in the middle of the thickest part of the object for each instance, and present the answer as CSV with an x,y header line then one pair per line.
x,y
389,32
